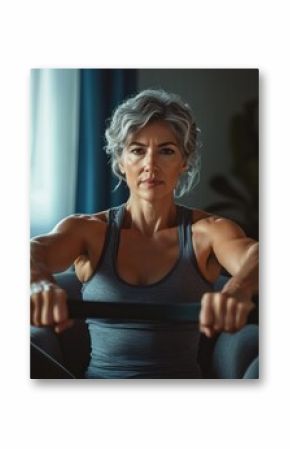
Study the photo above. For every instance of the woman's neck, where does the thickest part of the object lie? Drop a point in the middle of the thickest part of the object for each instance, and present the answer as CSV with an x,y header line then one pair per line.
x,y
149,217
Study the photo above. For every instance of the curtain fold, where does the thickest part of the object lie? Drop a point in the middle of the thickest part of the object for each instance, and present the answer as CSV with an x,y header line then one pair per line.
x,y
70,171
101,90
54,146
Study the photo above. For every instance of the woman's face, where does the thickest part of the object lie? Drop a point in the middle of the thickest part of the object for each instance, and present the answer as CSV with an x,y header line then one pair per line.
x,y
152,161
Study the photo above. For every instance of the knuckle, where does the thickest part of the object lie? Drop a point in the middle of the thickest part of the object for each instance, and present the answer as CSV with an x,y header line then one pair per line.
x,y
240,307
46,299
45,321
60,313
231,302
60,294
46,316
35,298
219,300
244,309
206,297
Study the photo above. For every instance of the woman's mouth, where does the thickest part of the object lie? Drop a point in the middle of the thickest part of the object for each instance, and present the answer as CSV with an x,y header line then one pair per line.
x,y
151,183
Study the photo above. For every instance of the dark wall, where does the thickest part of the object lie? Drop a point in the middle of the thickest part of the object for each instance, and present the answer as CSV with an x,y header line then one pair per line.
x,y
215,95
220,101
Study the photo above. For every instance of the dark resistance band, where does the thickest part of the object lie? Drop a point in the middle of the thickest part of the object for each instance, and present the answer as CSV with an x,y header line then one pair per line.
x,y
134,311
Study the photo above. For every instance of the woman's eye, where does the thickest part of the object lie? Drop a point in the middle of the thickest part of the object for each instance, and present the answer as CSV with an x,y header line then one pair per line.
x,y
141,151
137,151
168,151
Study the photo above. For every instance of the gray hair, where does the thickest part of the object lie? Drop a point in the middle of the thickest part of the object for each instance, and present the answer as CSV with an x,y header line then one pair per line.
x,y
148,106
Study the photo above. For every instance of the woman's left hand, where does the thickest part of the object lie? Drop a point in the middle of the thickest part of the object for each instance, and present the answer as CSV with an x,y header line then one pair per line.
x,y
222,311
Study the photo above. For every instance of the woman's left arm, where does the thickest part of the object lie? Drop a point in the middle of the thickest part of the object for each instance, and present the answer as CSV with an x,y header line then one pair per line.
x,y
228,309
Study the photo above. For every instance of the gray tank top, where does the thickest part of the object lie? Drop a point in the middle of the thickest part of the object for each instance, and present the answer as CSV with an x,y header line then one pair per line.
x,y
142,349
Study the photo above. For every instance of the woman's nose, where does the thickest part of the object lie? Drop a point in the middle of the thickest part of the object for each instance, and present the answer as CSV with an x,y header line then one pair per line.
x,y
150,161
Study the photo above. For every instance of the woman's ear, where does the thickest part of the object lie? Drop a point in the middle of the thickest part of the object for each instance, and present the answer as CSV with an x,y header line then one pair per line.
x,y
184,167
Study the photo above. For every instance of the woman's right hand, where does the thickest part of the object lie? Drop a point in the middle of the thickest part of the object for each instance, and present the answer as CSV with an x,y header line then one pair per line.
x,y
49,306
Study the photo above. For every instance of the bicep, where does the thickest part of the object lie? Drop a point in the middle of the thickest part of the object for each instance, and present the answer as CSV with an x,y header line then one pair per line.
x,y
59,249
230,245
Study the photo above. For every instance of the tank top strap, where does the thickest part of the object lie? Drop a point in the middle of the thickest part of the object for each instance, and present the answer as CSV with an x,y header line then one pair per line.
x,y
184,221
184,229
116,215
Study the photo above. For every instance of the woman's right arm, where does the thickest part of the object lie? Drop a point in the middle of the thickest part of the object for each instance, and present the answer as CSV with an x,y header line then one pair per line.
x,y
52,253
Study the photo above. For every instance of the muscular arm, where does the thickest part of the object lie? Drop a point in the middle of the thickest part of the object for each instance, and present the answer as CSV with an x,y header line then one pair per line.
x,y
228,310
53,253
57,250
238,254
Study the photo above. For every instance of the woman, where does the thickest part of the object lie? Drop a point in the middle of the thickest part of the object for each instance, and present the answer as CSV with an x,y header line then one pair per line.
x,y
149,249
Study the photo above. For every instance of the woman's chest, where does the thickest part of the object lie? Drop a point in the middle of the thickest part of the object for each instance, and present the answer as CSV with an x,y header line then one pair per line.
x,y
141,260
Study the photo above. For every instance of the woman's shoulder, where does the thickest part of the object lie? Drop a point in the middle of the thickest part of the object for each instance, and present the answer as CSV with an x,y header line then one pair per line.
x,y
100,217
204,221
201,220
198,215
79,222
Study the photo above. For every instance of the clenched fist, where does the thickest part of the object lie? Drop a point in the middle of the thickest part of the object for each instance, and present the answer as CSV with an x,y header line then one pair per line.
x,y
48,306
224,312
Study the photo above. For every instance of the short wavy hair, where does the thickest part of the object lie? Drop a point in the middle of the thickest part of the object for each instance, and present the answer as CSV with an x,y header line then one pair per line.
x,y
148,106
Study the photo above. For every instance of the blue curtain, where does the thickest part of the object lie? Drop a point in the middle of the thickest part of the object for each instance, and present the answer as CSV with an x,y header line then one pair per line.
x,y
101,90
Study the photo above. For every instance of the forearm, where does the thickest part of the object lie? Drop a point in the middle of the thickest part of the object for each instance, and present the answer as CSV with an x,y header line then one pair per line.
x,y
247,278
